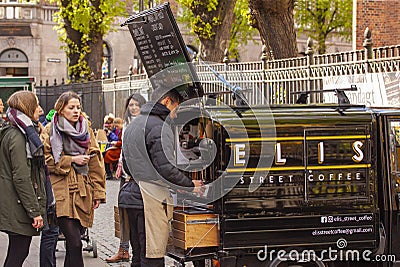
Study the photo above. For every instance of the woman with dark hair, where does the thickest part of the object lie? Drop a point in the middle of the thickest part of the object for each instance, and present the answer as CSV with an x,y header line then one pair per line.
x,y
76,172
132,109
22,176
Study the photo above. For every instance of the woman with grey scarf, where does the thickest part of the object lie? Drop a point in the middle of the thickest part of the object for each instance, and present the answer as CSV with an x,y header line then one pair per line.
x,y
76,172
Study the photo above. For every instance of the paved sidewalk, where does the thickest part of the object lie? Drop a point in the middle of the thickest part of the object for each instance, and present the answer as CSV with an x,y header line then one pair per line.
x,y
33,257
102,233
103,228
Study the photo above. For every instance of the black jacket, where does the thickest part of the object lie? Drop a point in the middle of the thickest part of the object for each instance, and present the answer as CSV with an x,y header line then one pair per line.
x,y
149,148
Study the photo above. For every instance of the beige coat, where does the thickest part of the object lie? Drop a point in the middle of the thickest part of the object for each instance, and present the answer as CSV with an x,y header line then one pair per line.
x,y
74,193
158,210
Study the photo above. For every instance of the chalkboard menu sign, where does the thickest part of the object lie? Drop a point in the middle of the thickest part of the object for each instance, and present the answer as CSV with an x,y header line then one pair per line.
x,y
163,52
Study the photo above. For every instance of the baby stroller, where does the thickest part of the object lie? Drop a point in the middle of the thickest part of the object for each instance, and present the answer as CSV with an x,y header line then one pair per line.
x,y
91,244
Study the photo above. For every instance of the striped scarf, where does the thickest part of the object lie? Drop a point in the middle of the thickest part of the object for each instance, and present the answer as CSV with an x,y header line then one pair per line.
x,y
73,140
27,127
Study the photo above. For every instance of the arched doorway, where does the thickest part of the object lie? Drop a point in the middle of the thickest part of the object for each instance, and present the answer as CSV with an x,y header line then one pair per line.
x,y
14,63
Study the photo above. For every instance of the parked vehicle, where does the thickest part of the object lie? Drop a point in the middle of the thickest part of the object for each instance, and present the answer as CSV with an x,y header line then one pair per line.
x,y
286,185
301,179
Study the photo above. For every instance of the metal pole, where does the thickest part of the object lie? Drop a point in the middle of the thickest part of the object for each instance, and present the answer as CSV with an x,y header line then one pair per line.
x,y
140,64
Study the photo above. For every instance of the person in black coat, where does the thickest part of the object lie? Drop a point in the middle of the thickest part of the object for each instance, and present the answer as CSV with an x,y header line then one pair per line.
x,y
149,154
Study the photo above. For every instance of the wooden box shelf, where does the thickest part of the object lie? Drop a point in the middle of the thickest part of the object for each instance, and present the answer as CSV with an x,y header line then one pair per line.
x,y
193,229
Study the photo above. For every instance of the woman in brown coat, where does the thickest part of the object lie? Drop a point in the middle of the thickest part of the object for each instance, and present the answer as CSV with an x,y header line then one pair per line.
x,y
76,172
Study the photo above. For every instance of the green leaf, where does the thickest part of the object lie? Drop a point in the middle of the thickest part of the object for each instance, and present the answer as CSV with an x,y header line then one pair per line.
x,y
322,18
86,18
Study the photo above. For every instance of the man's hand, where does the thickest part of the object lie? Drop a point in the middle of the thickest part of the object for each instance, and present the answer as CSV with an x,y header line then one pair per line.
x,y
198,187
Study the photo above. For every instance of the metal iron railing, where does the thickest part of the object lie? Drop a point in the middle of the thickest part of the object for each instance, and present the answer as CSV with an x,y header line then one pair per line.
x,y
275,81
272,81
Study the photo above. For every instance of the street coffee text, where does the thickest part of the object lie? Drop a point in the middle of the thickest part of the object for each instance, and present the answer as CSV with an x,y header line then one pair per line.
x,y
320,177
240,153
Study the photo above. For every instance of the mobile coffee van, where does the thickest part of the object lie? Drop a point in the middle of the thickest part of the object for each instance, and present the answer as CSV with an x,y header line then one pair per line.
x,y
301,185
310,184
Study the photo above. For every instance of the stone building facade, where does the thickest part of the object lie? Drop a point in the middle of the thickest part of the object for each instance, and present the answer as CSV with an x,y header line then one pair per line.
x,y
29,44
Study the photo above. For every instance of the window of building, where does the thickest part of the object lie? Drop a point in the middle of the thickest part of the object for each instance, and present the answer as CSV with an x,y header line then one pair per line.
x,y
13,62
14,10
13,55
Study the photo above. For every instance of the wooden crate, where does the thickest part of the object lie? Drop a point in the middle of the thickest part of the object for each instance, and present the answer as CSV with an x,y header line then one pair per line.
x,y
195,229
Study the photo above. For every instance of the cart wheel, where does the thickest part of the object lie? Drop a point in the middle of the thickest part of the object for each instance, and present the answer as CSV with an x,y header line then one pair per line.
x,y
94,247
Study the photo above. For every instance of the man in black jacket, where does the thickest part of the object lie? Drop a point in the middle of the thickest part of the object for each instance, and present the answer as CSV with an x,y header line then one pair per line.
x,y
149,154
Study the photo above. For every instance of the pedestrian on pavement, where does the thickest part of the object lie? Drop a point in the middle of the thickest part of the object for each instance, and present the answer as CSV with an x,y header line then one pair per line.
x,y
22,172
148,149
1,111
108,128
49,235
76,172
49,117
113,152
132,109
